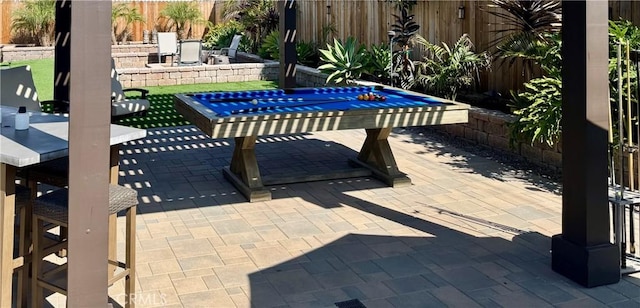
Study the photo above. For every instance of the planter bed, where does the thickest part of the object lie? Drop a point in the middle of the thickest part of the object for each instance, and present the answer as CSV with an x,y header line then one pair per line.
x,y
176,75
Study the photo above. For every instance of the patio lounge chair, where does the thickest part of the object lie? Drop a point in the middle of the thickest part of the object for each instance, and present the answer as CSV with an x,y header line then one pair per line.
x,y
18,89
121,106
190,52
167,45
231,51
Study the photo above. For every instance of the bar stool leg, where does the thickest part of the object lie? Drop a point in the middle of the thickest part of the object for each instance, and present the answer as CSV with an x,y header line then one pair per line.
x,y
37,294
130,257
23,250
113,244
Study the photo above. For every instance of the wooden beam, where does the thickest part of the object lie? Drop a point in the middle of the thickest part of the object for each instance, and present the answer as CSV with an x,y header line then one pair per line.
x,y
89,125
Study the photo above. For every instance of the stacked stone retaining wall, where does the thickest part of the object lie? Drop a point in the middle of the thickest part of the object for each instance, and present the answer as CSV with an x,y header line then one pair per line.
x,y
17,53
177,75
485,127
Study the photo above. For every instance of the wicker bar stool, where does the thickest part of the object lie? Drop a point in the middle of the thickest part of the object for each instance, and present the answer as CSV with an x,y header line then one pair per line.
x,y
51,210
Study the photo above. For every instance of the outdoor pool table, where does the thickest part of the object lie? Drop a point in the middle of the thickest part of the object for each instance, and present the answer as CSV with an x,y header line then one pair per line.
x,y
245,115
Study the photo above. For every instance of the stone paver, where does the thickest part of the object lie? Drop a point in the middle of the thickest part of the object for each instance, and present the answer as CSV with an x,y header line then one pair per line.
x,y
469,232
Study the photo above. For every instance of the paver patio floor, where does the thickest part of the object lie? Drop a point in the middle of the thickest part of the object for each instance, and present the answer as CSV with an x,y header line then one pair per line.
x,y
469,231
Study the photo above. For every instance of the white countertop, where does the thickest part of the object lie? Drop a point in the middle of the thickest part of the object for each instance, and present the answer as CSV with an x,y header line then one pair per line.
x,y
46,138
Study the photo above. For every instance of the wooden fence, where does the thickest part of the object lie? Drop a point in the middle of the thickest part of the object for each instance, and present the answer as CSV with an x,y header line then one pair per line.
x,y
151,10
368,21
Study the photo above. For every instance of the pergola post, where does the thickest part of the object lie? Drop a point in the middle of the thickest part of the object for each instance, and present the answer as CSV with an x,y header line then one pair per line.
x,y
583,251
89,131
288,56
62,50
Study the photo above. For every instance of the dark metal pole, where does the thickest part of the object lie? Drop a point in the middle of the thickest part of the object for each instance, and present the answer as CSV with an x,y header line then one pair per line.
x,y
288,56
62,43
391,35
635,55
583,251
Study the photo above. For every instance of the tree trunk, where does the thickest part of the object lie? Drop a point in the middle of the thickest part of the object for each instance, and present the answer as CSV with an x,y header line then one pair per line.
x,y
44,40
114,40
125,36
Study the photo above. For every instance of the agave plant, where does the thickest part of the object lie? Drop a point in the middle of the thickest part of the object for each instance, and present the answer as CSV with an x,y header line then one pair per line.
x,y
182,15
447,70
344,62
36,19
126,13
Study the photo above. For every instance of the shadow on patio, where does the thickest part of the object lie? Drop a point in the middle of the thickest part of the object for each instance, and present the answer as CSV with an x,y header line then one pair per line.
x,y
451,239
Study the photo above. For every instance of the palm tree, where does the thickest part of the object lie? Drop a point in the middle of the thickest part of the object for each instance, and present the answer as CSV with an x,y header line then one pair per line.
x,y
37,20
182,14
129,15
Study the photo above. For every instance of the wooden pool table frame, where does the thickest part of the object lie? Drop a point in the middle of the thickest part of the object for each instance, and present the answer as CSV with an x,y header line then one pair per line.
x,y
375,155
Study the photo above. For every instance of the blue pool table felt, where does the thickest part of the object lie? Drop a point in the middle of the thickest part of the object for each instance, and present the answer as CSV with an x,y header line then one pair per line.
x,y
308,99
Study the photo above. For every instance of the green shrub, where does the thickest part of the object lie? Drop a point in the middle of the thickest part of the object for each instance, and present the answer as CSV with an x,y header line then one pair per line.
x,y
307,53
445,71
220,35
406,29
344,63
259,18
270,48
539,111
379,61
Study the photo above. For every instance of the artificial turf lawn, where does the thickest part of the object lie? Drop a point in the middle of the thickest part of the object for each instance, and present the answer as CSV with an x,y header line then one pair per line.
x,y
162,113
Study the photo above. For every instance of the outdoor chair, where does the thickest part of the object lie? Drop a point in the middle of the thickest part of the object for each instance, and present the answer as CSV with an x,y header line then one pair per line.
x,y
167,46
18,89
22,93
51,210
228,52
121,106
190,52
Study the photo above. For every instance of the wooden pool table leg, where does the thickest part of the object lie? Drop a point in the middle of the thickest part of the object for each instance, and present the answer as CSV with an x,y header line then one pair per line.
x,y
376,155
244,172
